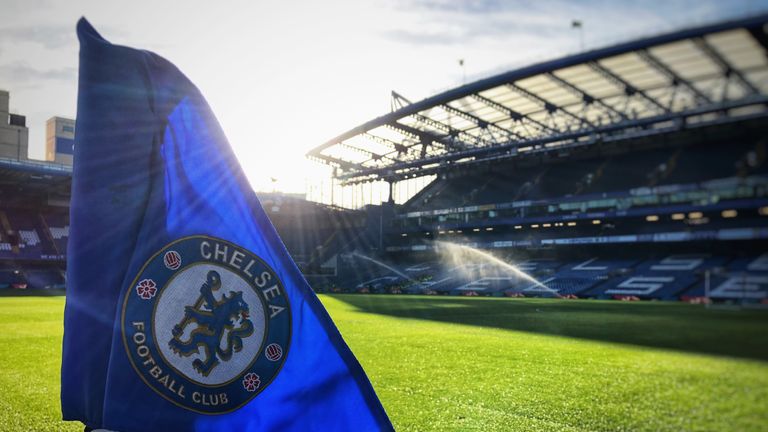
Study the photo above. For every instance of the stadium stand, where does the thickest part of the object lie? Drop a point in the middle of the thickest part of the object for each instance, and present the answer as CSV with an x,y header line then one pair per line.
x,y
624,173
608,174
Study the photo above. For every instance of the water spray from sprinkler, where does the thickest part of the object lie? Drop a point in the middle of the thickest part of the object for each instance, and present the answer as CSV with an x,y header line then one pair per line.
x,y
381,264
454,248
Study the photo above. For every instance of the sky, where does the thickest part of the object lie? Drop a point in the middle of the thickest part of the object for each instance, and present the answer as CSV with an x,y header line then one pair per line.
x,y
285,76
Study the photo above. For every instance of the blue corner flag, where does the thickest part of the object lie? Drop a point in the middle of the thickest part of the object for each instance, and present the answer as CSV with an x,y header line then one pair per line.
x,y
184,310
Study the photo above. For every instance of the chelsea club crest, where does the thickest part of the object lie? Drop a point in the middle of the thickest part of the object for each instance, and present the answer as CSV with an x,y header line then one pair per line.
x,y
206,324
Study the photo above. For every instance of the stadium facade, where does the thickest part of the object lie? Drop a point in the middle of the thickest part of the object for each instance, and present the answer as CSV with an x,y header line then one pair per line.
x,y
636,171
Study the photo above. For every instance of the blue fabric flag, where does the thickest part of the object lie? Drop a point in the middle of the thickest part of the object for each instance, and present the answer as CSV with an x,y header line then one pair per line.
x,y
184,310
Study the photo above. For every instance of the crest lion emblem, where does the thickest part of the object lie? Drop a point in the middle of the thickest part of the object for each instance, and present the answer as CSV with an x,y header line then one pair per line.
x,y
215,320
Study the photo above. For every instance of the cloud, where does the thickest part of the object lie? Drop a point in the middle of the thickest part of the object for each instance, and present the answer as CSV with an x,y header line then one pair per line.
x,y
452,29
51,37
461,6
442,22
452,22
23,73
468,30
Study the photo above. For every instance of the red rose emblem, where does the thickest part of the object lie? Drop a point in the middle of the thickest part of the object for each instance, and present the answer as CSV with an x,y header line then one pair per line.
x,y
251,381
146,289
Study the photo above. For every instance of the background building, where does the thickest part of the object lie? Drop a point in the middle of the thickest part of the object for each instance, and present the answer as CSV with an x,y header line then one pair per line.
x,y
14,135
59,140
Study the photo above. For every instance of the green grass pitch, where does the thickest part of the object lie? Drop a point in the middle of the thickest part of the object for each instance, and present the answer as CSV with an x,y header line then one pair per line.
x,y
456,364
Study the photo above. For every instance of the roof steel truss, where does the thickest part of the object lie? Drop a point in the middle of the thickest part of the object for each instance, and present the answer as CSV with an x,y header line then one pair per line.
x,y
610,93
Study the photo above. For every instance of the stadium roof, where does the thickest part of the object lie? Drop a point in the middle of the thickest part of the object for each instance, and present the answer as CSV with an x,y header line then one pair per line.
x,y
10,167
690,78
24,183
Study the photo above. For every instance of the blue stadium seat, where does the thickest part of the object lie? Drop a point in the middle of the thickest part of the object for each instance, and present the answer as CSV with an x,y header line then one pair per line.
x,y
662,286
742,279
